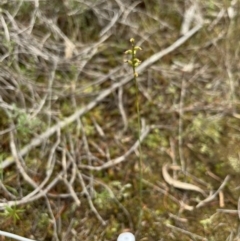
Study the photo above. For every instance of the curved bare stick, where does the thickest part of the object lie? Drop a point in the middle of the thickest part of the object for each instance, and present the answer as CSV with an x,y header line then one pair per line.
x,y
40,194
50,166
120,159
14,236
178,184
38,140
43,193
211,197
112,195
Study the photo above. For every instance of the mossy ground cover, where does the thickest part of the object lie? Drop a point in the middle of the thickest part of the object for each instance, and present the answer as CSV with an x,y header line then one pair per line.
x,y
57,58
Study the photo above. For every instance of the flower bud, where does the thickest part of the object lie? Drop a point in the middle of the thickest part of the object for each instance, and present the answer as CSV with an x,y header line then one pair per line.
x,y
137,48
129,51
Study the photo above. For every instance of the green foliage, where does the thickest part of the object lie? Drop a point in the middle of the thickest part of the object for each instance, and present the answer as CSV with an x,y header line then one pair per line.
x,y
12,213
112,228
206,130
43,220
155,140
25,124
1,170
206,127
10,45
121,192
234,161
102,199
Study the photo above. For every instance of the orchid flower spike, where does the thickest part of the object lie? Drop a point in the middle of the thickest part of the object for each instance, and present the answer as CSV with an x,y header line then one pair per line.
x,y
126,236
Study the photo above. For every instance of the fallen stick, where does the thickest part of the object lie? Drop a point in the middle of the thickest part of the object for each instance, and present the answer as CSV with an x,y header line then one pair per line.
x,y
14,236
210,198
178,184
120,159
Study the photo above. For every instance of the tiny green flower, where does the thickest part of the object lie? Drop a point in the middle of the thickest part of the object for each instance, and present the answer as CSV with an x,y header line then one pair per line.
x,y
137,48
130,62
134,62
129,51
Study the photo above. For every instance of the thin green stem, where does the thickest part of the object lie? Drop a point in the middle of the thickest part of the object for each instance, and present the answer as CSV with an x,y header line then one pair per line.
x,y
134,62
139,134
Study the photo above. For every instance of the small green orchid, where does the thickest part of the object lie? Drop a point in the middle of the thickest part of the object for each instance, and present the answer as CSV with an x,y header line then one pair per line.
x,y
134,62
